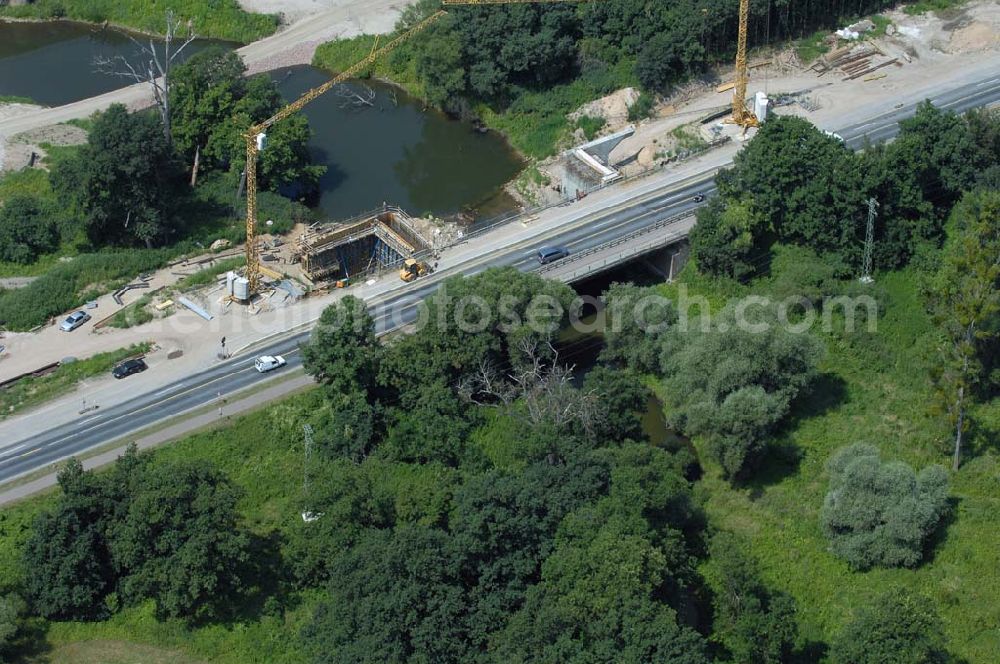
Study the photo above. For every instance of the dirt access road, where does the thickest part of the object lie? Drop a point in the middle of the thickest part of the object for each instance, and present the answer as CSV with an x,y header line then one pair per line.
x,y
292,45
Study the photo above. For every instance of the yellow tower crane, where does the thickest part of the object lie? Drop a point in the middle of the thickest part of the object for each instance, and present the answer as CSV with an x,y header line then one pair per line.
x,y
255,136
742,116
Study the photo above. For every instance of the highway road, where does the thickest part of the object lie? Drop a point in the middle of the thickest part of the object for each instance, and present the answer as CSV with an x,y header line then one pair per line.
x,y
400,308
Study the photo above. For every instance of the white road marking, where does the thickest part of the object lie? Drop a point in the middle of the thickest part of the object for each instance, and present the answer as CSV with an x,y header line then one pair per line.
x,y
12,450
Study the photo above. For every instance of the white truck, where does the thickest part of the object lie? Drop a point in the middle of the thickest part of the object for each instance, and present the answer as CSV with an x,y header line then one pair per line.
x,y
266,363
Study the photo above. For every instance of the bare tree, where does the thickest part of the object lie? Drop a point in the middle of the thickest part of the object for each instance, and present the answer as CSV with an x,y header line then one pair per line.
x,y
153,65
354,99
543,387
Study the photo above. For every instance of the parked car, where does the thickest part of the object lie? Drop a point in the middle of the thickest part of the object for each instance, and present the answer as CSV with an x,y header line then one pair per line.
x,y
548,255
266,363
129,367
74,321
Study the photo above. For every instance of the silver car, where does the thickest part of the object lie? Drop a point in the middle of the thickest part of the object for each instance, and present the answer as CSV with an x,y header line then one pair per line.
x,y
74,321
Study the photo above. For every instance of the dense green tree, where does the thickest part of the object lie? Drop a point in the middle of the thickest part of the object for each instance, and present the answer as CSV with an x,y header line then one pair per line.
x,y
123,180
285,160
621,399
396,597
637,319
432,426
139,531
964,299
343,353
733,384
503,526
176,540
937,146
516,45
804,185
351,502
349,426
729,238
905,218
984,128
755,625
670,57
203,92
12,609
649,481
439,63
881,514
599,600
27,229
900,627
469,321
71,568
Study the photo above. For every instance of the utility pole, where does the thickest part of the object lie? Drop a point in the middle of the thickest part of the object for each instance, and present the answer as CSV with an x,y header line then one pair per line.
x,y
308,431
307,515
866,261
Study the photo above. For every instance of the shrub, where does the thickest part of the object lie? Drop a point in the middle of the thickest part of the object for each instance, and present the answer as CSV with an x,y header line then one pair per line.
x,y
27,229
900,627
880,514
642,108
755,624
734,385
591,125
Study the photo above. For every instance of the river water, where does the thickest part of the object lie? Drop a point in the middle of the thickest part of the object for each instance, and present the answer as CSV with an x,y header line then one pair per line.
x,y
393,151
52,63
397,151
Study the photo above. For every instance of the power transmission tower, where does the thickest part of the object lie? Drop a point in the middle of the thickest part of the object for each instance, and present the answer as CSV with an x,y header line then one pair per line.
x,y
866,262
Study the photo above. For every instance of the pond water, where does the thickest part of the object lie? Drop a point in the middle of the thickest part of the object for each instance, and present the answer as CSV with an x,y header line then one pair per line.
x,y
52,63
394,150
391,148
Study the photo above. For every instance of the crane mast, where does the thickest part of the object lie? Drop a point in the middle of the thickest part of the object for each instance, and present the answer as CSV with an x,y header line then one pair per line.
x,y
742,116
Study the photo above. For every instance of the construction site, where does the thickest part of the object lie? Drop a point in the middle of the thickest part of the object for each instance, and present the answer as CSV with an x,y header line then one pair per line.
x,y
344,252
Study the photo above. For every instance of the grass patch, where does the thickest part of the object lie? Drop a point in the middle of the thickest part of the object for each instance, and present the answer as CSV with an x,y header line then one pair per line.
x,y
881,23
218,19
874,388
134,314
31,392
811,47
208,275
590,126
105,651
16,99
397,67
642,108
924,6
688,139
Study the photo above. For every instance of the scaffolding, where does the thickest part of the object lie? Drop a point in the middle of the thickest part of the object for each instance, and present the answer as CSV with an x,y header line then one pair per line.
x,y
368,244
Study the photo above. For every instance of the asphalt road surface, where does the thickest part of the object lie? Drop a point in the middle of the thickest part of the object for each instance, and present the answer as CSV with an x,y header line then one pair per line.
x,y
233,375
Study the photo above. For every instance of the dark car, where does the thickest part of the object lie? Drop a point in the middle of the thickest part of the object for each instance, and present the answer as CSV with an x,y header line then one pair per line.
x,y
698,198
548,255
129,367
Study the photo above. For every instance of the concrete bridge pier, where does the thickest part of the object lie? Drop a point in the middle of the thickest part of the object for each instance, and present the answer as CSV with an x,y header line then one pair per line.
x,y
669,261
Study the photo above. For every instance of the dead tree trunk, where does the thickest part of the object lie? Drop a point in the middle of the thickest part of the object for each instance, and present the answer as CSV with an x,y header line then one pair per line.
x,y
154,69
